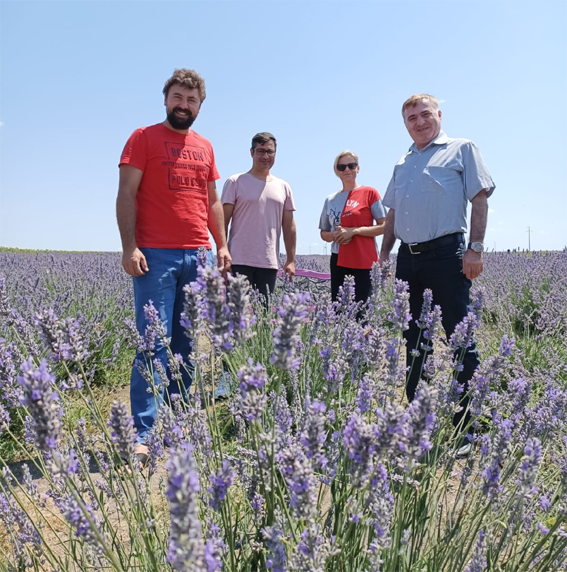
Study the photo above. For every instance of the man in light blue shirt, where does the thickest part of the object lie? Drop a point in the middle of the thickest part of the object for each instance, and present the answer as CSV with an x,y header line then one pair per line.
x,y
427,197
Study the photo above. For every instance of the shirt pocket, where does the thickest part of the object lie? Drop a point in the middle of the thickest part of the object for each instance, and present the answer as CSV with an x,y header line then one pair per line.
x,y
441,179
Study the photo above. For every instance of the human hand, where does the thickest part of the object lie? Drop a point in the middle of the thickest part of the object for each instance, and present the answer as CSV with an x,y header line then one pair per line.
x,y
224,260
289,269
134,262
343,235
473,264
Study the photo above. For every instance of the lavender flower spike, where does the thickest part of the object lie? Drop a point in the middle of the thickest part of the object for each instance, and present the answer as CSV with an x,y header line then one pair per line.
x,y
41,400
123,432
400,315
291,314
478,562
527,471
220,483
277,559
251,401
4,304
186,545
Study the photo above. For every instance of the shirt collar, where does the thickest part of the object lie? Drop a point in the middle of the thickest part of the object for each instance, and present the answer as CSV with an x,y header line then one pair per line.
x,y
441,139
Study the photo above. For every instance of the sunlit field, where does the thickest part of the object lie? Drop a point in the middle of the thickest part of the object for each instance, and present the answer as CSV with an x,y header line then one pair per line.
x,y
316,462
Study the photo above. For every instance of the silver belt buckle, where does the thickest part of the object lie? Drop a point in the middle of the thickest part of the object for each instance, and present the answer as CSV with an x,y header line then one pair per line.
x,y
410,249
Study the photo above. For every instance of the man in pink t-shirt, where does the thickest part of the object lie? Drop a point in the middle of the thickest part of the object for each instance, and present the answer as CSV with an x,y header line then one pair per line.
x,y
260,206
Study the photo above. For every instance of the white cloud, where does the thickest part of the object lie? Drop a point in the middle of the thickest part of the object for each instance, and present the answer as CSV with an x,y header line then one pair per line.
x,y
2,124
490,211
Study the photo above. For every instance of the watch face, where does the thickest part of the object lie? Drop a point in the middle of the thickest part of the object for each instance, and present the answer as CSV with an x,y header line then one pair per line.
x,y
477,246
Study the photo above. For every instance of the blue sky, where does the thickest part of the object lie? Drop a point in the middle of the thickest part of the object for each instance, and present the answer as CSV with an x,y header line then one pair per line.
x,y
76,78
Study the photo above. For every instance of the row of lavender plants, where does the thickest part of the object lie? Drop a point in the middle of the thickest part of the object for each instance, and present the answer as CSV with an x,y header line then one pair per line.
x,y
315,463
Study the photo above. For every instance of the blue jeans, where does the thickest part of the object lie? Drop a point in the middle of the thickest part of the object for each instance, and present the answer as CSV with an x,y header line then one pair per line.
x,y
169,271
441,270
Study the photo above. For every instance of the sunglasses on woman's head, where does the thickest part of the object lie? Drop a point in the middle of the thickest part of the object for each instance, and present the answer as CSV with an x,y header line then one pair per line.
x,y
351,166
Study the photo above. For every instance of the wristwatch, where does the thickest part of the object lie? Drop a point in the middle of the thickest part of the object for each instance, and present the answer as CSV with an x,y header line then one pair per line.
x,y
476,246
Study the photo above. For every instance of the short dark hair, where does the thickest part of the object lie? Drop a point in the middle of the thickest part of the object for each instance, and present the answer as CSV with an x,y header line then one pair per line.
x,y
261,138
186,78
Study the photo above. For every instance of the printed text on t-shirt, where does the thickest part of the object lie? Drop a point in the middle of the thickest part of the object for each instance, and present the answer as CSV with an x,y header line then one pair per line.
x,y
186,176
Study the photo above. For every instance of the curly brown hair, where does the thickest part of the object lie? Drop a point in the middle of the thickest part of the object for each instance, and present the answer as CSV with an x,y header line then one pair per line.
x,y
186,78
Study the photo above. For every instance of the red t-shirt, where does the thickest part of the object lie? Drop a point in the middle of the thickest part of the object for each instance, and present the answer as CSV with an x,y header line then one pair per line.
x,y
360,252
172,203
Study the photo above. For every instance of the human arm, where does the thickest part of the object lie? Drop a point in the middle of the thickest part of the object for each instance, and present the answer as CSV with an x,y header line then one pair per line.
x,y
216,226
343,235
472,261
133,261
227,209
290,240
389,237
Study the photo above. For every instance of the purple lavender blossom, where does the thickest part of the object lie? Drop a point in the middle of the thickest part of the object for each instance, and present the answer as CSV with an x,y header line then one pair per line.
x,y
359,444
313,435
186,546
41,400
400,315
123,432
390,430
425,316
381,504
493,450
291,315
4,304
251,401
365,393
300,480
161,373
4,419
133,337
421,422
172,431
276,559
214,548
311,550
220,483
155,333
346,303
18,522
462,337
478,562
527,472
63,337
10,391
76,515
214,311
191,316
241,311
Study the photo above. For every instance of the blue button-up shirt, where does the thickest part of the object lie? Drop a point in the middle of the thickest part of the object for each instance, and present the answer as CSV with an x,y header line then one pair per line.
x,y
430,188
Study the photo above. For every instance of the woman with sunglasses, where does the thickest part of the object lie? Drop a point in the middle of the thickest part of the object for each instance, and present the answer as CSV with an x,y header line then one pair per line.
x,y
350,220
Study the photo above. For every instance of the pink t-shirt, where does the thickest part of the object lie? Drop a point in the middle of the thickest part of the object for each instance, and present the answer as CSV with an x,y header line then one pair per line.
x,y
256,225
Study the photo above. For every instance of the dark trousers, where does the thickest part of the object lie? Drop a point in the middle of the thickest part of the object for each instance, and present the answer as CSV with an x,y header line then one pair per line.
x,y
440,270
261,279
362,283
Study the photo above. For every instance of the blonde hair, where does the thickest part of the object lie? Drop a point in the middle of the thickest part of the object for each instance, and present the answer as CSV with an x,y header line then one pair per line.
x,y
415,99
341,155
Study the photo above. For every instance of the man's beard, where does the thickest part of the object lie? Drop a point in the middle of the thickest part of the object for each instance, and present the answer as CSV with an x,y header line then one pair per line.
x,y
180,122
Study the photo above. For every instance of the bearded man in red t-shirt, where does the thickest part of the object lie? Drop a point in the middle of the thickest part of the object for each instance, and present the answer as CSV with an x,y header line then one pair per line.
x,y
167,204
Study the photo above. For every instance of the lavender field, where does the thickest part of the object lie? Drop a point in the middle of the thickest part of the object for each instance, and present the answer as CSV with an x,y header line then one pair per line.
x,y
316,462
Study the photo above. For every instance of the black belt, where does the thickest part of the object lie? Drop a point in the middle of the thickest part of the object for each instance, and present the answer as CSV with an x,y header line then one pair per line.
x,y
419,247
